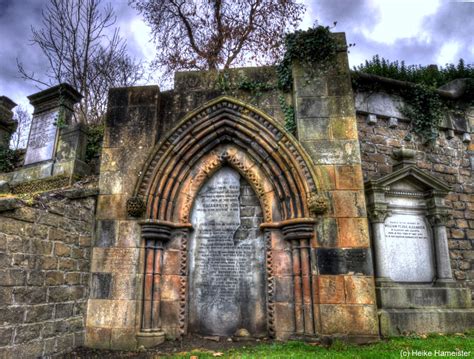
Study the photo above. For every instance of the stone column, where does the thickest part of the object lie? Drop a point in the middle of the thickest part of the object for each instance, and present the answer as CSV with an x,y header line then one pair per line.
x,y
300,235
7,124
154,236
443,263
377,218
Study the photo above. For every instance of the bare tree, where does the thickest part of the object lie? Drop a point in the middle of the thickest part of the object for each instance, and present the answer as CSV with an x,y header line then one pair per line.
x,y
20,136
73,37
211,34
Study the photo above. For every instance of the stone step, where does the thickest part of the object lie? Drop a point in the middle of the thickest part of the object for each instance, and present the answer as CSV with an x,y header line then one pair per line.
x,y
395,322
423,297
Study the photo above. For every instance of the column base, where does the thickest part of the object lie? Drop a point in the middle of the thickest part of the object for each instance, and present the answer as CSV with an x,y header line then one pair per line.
x,y
385,282
150,339
446,283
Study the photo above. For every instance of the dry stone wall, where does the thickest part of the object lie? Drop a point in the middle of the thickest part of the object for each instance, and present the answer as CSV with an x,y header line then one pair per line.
x,y
449,160
44,273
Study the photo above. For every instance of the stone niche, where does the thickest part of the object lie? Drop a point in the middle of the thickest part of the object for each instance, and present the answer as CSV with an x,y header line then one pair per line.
x,y
414,284
408,215
227,259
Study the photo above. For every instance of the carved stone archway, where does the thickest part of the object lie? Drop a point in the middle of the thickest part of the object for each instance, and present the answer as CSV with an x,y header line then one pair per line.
x,y
226,132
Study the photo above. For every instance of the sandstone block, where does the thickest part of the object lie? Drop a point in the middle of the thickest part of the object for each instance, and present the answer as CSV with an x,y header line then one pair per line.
x,y
359,290
349,203
349,177
349,319
98,337
353,232
331,289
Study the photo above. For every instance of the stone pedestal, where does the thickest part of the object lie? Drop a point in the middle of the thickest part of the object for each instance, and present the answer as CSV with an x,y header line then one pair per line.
x,y
415,289
56,146
7,124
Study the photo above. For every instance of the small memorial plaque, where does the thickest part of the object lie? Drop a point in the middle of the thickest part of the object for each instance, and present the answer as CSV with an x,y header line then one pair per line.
x,y
409,248
42,138
227,261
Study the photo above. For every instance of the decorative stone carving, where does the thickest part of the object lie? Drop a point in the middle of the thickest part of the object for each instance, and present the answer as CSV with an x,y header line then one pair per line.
x,y
378,215
408,216
439,219
318,204
135,207
178,155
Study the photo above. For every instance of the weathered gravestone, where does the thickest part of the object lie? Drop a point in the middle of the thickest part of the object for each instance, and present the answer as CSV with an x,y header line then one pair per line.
x,y
415,289
7,124
56,145
408,218
53,109
227,259
43,137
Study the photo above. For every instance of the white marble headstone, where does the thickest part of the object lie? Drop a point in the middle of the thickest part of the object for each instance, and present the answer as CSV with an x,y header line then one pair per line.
x,y
409,248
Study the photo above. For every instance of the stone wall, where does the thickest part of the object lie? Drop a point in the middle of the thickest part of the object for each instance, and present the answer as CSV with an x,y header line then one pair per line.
x,y
448,160
44,272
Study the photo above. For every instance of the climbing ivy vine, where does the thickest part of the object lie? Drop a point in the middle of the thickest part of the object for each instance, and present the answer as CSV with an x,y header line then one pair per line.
x,y
423,104
312,48
308,47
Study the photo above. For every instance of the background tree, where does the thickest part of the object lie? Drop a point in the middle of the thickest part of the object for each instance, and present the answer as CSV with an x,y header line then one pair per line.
x,y
83,49
211,34
20,136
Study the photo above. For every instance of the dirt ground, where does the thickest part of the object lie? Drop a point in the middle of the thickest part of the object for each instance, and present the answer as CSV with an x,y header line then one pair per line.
x,y
168,348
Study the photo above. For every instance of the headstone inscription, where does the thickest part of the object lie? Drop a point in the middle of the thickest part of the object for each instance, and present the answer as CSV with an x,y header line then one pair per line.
x,y
42,140
227,260
409,248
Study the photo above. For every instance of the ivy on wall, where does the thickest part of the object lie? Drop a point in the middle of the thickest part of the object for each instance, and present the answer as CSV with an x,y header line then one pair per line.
x,y
312,48
95,136
423,105
8,159
308,47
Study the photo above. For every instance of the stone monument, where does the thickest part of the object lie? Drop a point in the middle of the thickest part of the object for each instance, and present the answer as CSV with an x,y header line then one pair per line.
x,y
56,146
7,124
227,259
413,274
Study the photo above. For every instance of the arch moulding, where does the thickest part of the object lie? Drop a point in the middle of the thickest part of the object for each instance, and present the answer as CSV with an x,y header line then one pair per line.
x,y
227,132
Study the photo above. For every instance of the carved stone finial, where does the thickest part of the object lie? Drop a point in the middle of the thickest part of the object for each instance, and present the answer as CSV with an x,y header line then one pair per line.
x,y
135,207
404,157
318,204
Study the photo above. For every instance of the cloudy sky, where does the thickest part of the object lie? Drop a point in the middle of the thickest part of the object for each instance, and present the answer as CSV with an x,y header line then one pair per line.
x,y
417,31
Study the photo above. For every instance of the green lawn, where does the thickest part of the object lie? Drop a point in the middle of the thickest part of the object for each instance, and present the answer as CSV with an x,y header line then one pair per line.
x,y
404,347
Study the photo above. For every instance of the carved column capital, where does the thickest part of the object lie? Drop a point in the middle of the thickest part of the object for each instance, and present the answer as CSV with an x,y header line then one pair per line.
x,y
156,231
439,218
298,231
378,215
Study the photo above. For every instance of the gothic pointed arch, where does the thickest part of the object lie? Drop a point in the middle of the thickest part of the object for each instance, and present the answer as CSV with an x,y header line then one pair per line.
x,y
226,131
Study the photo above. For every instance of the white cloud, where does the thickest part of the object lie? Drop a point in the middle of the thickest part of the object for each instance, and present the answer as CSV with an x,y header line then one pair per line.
x,y
401,19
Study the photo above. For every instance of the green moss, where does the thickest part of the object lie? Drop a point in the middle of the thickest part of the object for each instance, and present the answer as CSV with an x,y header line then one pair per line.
x,y
95,137
41,185
8,159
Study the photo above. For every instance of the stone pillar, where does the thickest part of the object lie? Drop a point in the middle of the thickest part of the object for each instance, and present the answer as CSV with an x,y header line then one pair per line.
x,y
154,236
7,124
327,129
377,219
443,263
300,235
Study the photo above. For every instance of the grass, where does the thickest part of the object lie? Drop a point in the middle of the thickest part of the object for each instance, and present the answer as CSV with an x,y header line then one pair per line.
x,y
402,347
